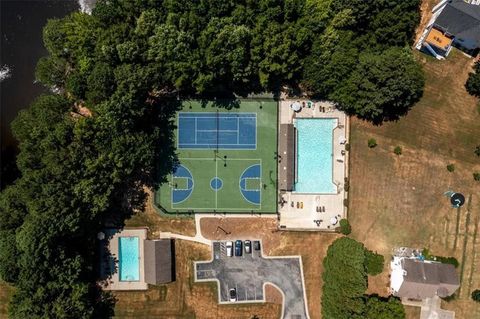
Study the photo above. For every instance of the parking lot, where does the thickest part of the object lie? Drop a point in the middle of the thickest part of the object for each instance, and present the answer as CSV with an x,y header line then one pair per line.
x,y
248,274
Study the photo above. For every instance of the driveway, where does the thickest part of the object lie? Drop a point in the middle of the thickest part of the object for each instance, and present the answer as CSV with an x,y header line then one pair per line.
x,y
250,272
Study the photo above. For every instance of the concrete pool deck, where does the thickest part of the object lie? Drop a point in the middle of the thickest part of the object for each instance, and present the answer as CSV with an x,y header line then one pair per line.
x,y
250,273
306,217
109,267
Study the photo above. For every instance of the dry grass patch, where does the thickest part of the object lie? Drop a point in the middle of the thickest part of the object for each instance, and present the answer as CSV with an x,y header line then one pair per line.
x,y
184,298
157,222
398,200
6,292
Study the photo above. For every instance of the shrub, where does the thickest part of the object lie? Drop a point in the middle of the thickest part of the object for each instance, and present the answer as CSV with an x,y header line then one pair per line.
x,y
476,176
445,260
450,168
347,147
347,184
448,260
373,262
397,150
345,202
345,227
477,149
372,143
476,295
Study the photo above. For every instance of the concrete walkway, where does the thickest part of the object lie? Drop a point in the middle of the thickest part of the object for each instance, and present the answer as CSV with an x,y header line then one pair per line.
x,y
197,238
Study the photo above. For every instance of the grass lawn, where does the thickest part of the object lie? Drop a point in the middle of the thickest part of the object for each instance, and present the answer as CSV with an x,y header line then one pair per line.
x,y
397,200
227,159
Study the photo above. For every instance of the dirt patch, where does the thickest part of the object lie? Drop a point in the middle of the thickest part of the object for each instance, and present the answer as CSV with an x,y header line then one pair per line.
x,y
273,295
426,14
6,292
155,221
412,312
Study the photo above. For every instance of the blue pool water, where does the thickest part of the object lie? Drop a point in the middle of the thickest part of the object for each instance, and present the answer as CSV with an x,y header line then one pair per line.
x,y
314,156
128,258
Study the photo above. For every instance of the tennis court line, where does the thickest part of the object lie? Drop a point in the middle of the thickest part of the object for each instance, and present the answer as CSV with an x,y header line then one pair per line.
x,y
206,115
236,209
228,159
223,146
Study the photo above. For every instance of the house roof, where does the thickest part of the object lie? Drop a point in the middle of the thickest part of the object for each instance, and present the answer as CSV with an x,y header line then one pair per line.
x,y
286,152
438,39
158,261
461,19
426,279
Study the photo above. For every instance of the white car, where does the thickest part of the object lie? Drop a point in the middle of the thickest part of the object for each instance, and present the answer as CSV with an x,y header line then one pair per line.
x,y
229,246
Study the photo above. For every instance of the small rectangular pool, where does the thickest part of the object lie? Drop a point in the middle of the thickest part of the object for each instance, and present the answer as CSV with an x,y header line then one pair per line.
x,y
129,258
314,156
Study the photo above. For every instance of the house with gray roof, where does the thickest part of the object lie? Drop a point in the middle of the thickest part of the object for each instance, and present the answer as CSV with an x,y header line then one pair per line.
x,y
454,23
159,262
418,279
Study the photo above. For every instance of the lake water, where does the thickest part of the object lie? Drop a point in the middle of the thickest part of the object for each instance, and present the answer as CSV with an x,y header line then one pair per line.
x,y
22,22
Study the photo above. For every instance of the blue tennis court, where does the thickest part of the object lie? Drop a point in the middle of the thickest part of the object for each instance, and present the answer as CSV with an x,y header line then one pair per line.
x,y
213,130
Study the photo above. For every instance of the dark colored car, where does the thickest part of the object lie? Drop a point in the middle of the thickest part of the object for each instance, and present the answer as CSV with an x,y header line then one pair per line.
x,y
248,247
238,248
233,295
256,245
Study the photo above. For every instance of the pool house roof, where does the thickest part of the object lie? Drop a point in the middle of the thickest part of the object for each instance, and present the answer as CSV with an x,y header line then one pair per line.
x,y
286,154
158,261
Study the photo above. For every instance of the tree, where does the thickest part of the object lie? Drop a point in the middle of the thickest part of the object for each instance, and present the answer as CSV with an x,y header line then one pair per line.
x,y
382,86
344,280
384,308
473,81
372,142
397,150
51,71
100,83
451,168
476,295
373,262
345,227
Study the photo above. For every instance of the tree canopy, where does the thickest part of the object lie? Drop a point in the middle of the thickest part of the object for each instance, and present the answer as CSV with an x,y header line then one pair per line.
x,y
473,81
88,151
345,283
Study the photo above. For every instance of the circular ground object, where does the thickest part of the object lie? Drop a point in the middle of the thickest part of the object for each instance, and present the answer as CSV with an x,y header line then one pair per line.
x,y
216,183
457,199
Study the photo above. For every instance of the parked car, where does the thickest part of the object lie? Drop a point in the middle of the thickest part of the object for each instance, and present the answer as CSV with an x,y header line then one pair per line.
x,y
256,245
248,247
229,246
238,248
233,295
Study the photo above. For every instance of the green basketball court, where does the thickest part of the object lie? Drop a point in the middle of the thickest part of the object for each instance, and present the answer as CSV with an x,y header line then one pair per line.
x,y
227,159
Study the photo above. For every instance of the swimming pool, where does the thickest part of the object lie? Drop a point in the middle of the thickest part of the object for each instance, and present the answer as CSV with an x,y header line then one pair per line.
x,y
128,258
314,156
